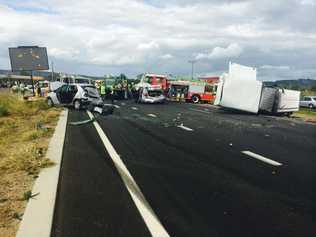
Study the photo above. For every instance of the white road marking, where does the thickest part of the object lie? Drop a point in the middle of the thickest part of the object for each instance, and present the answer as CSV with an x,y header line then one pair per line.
x,y
115,106
262,158
201,111
185,128
151,220
152,115
123,103
134,108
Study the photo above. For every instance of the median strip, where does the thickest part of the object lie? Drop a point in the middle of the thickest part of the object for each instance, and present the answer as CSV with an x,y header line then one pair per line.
x,y
151,220
262,158
38,216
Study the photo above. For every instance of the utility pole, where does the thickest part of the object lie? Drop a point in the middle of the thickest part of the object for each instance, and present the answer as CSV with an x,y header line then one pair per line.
x,y
31,72
52,71
192,62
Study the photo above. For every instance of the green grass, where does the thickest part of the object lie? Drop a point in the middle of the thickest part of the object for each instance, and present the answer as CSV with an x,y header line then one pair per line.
x,y
25,131
306,114
13,104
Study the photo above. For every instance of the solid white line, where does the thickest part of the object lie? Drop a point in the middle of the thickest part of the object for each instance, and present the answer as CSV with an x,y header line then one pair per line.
x,y
152,115
262,158
185,128
151,220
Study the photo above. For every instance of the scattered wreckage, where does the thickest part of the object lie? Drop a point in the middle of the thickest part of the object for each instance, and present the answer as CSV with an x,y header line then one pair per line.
x,y
239,89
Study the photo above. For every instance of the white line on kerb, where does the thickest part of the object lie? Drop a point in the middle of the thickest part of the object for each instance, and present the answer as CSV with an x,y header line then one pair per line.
x,y
185,128
152,115
262,158
151,220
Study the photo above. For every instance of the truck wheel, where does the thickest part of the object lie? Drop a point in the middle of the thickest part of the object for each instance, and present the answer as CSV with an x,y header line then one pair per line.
x,y
195,99
50,102
77,104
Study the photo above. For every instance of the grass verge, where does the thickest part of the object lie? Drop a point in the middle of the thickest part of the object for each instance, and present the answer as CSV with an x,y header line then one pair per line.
x,y
25,130
307,115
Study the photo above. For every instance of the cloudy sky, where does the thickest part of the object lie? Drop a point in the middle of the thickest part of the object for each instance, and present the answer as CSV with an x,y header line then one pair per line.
x,y
133,36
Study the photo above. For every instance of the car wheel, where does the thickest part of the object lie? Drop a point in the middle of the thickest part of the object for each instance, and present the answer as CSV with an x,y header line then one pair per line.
x,y
77,104
310,106
195,99
50,102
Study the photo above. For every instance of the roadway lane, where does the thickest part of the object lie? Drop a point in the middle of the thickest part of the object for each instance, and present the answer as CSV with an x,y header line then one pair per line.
x,y
92,199
200,184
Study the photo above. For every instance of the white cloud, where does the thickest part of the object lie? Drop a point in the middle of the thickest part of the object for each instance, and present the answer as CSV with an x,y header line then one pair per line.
x,y
269,67
166,56
152,45
308,2
232,51
133,36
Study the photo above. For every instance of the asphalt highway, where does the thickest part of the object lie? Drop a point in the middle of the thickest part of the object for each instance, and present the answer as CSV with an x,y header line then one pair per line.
x,y
199,170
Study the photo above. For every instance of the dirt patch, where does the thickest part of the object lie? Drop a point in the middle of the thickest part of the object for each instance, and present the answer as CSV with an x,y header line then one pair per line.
x,y
307,115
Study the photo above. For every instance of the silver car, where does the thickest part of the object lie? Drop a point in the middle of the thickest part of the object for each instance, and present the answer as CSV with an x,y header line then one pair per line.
x,y
308,101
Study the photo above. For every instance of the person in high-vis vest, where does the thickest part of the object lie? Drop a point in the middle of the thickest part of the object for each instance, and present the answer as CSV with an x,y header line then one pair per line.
x,y
102,91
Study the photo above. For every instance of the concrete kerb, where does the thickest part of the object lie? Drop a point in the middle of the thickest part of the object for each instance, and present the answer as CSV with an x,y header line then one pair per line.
x,y
38,216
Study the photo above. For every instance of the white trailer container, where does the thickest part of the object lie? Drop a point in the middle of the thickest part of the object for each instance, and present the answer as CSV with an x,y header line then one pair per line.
x,y
240,89
288,101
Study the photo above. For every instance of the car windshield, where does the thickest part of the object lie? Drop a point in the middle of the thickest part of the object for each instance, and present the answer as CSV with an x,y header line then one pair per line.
x,y
92,91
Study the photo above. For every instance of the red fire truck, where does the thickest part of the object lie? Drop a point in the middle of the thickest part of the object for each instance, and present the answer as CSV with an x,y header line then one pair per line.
x,y
153,80
195,92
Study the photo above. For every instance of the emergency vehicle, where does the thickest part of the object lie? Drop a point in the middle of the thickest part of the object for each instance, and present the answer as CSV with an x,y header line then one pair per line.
x,y
153,80
195,92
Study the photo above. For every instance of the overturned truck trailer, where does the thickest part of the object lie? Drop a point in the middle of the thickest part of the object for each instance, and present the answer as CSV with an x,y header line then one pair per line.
x,y
239,89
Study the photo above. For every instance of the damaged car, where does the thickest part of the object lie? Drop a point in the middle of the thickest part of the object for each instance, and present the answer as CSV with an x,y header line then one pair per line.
x,y
77,95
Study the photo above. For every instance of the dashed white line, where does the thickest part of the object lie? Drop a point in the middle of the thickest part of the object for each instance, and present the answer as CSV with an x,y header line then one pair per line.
x,y
152,115
151,220
185,128
262,158
134,108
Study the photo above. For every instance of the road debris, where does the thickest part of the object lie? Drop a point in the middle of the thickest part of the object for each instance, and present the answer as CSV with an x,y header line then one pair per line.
x,y
152,115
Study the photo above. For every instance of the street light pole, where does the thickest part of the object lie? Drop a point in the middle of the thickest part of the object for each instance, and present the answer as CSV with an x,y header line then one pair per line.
x,y
52,71
192,62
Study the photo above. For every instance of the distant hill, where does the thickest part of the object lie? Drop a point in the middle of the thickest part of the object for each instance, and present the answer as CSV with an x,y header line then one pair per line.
x,y
300,84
